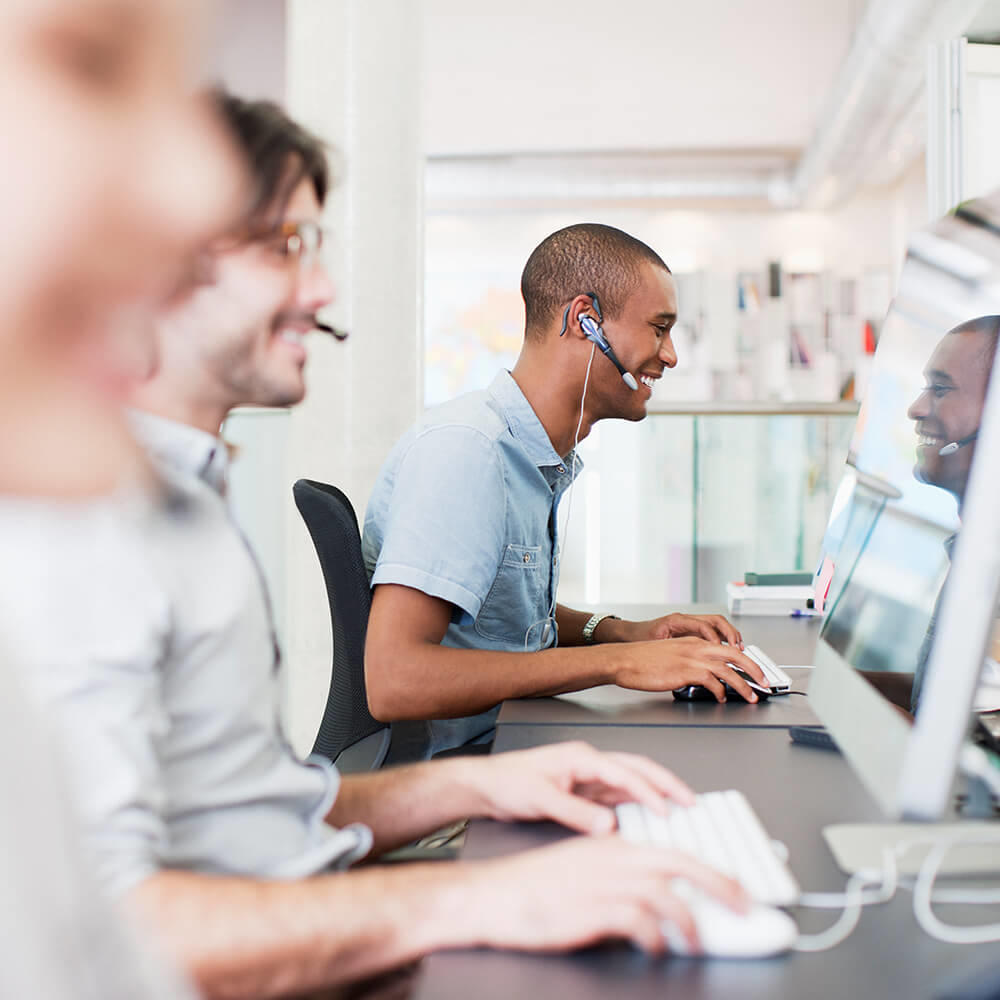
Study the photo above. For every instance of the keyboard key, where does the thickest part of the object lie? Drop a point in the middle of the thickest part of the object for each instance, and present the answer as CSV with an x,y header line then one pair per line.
x,y
722,831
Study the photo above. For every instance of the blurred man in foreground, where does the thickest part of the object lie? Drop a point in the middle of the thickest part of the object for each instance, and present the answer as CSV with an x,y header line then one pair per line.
x,y
112,174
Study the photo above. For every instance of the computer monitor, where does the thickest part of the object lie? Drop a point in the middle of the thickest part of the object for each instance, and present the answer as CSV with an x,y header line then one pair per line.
x,y
912,606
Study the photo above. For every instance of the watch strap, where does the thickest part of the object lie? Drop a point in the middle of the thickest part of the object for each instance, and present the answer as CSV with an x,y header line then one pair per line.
x,y
592,622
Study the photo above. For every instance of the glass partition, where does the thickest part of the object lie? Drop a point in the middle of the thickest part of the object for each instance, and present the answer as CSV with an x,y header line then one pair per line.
x,y
668,510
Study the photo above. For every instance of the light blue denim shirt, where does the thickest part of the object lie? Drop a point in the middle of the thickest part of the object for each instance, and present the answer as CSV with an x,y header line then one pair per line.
x,y
465,509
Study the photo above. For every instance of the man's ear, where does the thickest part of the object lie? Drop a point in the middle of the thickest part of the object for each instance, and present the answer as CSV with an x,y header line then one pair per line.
x,y
582,305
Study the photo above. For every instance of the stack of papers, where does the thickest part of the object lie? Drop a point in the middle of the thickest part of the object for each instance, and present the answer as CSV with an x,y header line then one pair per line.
x,y
743,599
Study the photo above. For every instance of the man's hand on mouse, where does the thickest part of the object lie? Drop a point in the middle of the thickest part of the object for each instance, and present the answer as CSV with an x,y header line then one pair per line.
x,y
675,663
584,890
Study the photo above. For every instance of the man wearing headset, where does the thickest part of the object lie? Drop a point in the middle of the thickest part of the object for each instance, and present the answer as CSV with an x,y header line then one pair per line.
x,y
461,537
157,662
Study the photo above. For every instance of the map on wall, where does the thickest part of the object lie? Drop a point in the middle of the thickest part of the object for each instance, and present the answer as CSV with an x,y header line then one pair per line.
x,y
473,327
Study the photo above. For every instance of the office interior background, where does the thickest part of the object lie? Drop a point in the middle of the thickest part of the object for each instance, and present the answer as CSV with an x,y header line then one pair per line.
x,y
777,153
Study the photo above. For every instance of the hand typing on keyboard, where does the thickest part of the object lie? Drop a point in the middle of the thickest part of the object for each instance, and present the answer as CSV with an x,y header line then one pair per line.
x,y
570,783
669,664
721,830
578,892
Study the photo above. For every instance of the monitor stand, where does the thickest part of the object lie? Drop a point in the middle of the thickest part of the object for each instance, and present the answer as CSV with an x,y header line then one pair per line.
x,y
860,846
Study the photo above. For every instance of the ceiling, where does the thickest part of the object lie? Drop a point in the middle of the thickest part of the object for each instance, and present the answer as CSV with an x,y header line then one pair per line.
x,y
985,27
581,75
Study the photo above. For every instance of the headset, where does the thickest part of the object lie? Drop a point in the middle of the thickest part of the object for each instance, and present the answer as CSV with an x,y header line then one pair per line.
x,y
953,446
594,332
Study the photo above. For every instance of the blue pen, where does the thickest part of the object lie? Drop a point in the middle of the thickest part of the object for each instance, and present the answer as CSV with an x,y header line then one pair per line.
x,y
799,613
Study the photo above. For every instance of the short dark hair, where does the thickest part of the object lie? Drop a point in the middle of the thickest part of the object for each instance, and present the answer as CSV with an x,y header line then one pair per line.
x,y
586,257
279,152
989,327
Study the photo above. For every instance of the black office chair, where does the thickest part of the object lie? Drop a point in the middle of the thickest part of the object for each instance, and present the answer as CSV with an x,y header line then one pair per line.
x,y
348,734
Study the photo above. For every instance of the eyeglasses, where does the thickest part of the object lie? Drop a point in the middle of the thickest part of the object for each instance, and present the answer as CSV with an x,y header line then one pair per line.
x,y
293,242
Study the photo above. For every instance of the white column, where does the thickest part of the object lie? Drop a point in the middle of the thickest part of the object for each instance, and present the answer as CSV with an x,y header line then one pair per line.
x,y
353,78
945,126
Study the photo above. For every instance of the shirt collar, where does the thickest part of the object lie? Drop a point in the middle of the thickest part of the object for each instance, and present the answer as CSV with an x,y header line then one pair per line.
x,y
525,425
182,448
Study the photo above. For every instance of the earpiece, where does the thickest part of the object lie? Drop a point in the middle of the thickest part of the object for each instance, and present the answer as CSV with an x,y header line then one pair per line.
x,y
594,332
332,330
953,446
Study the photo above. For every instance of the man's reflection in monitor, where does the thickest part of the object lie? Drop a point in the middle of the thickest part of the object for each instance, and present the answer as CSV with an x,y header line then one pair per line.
x,y
949,408
946,415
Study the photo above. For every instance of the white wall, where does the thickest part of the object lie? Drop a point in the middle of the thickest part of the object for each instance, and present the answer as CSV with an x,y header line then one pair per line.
x,y
250,48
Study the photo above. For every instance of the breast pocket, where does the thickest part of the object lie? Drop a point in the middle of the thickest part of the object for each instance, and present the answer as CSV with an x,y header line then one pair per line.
x,y
517,598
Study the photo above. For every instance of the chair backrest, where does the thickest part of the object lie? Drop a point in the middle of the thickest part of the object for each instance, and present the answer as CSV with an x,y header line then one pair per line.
x,y
348,735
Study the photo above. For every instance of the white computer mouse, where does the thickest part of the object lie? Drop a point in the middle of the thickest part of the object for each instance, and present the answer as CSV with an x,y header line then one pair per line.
x,y
760,933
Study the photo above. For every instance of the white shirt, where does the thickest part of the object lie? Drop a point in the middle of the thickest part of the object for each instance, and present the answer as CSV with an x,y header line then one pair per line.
x,y
60,937
154,652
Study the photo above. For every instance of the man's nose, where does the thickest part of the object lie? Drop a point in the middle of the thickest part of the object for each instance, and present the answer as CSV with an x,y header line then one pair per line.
x,y
667,354
919,408
315,288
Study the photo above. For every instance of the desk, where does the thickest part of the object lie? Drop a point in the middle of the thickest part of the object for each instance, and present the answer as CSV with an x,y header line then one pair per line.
x,y
611,705
785,640
796,790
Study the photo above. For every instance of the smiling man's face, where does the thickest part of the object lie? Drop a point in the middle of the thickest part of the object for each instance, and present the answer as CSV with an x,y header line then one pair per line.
x,y
950,407
641,339
245,327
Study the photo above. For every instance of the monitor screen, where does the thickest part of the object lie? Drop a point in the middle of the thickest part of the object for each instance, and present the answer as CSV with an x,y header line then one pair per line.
x,y
913,598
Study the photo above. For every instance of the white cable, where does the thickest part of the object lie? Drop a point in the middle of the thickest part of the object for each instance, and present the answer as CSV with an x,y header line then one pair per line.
x,y
974,897
852,900
887,881
844,924
569,499
924,896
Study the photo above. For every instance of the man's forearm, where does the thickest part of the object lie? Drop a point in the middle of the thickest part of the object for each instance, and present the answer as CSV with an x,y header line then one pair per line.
x,y
244,938
440,682
401,804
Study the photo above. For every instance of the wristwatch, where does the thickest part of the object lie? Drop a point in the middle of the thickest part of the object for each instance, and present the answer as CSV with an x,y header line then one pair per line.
x,y
592,622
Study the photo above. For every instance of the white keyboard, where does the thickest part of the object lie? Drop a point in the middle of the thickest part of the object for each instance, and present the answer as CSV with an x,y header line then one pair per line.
x,y
722,831
778,681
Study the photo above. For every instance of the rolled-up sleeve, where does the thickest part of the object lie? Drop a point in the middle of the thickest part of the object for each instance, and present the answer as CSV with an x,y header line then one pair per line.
x,y
91,627
442,530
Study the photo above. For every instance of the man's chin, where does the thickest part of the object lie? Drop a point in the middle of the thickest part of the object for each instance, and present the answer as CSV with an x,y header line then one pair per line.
x,y
929,475
279,396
